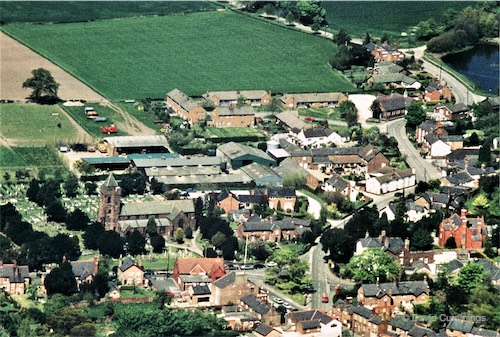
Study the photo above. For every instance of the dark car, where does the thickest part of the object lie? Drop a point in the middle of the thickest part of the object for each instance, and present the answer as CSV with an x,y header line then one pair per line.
x,y
259,266
231,267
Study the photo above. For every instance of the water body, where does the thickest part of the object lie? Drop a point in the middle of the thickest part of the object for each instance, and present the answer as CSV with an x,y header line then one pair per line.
x,y
479,64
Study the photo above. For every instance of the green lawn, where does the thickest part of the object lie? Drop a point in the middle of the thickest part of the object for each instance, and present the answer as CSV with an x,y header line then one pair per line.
x,y
213,132
149,56
142,116
31,124
324,113
70,11
377,17
94,128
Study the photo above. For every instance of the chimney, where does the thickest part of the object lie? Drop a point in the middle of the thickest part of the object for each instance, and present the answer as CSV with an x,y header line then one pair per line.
x,y
407,244
378,280
367,235
439,125
120,260
64,258
395,45
386,242
463,213
1,263
348,299
483,166
96,265
15,263
382,236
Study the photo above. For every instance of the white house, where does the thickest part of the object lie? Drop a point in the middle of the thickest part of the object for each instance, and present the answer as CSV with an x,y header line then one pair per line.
x,y
337,184
391,182
437,147
413,212
316,137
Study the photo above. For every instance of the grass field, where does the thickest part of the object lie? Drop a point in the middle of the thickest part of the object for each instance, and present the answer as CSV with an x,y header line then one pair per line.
x,y
143,117
71,11
39,156
377,17
147,57
324,113
94,128
9,158
30,124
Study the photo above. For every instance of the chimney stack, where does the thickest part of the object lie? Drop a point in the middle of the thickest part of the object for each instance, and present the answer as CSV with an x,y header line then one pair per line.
x,y
463,213
96,265
1,263
367,235
386,242
120,260
382,236
407,244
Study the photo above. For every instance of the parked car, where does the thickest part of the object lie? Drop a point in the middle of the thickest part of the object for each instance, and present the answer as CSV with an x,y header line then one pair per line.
x,y
287,305
231,267
271,264
259,266
277,300
324,298
246,266
310,119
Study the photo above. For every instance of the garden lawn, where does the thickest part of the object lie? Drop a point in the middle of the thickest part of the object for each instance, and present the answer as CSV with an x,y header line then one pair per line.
x,y
379,17
149,56
234,132
31,124
70,11
92,127
324,113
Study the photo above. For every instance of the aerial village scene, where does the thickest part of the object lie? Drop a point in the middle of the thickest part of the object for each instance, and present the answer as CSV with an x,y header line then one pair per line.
x,y
249,168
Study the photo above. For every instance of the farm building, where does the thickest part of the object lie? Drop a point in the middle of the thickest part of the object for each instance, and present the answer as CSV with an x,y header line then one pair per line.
x,y
238,155
262,175
195,166
226,98
108,163
312,100
392,106
135,144
290,120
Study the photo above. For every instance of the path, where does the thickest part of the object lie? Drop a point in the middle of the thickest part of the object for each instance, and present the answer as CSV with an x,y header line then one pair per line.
x,y
130,125
314,206
16,63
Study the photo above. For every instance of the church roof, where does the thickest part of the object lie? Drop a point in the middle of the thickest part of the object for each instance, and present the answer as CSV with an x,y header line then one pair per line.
x,y
157,207
110,181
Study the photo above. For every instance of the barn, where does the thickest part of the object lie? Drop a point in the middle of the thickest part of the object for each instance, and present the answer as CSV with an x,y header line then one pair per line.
x,y
135,144
238,155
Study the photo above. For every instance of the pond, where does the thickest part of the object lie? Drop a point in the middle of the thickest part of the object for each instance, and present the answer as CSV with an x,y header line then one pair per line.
x,y
479,64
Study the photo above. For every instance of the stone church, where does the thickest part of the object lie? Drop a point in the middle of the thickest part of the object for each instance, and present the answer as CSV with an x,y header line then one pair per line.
x,y
126,217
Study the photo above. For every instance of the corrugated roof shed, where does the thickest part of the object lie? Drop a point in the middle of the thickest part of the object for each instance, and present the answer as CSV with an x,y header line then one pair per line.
x,y
137,141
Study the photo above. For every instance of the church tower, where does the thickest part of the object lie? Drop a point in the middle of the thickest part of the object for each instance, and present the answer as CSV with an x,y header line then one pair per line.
x,y
109,204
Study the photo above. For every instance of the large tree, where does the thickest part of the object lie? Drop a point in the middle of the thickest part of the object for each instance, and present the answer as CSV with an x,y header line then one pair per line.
x,y
349,112
61,280
77,220
135,243
415,115
110,243
373,265
43,84
71,185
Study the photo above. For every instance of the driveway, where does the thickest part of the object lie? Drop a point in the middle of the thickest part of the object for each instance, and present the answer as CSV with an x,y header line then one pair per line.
x,y
314,206
363,103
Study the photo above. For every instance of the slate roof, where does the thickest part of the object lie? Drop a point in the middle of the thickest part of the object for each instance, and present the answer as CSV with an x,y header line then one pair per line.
x,y
312,324
201,290
267,225
281,192
225,280
418,331
397,174
460,154
392,103
235,150
157,207
182,99
82,269
428,125
459,178
234,111
484,332
363,311
456,108
317,132
401,288
15,274
395,246
300,316
252,198
451,138
314,97
137,141
393,78
254,304
110,181
454,265
377,319
460,325
490,268
370,243
401,323
263,329
337,182
129,262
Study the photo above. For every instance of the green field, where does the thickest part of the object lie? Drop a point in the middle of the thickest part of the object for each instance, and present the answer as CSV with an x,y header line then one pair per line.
x,y
147,57
39,156
324,113
71,11
9,158
94,128
31,124
377,17
142,116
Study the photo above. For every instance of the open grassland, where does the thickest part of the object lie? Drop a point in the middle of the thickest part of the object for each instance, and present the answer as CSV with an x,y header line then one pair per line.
x,y
31,124
377,17
92,127
73,11
39,156
147,57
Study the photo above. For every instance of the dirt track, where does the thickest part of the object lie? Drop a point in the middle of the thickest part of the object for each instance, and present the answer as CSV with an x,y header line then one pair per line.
x,y
16,63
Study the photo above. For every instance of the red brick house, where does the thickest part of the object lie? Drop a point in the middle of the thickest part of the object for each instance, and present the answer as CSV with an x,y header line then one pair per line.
x,y
385,52
252,97
256,229
467,233
231,287
131,273
185,107
391,107
14,278
282,197
436,91
196,271
84,271
232,116
261,309
228,201
451,111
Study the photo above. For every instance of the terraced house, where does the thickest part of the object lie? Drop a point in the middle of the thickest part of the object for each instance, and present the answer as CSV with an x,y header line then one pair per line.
x,y
233,116
250,97
14,279
185,107
312,100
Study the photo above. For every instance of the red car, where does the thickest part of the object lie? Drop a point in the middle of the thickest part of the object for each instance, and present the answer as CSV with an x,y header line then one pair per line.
x,y
324,298
310,119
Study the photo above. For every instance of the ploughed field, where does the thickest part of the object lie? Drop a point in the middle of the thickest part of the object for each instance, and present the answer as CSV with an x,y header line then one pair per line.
x,y
392,17
197,52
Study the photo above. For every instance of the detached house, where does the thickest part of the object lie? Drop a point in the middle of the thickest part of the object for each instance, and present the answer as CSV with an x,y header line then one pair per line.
x,y
228,201
437,91
312,100
226,98
463,232
84,271
391,107
14,279
338,184
131,273
390,182
450,112
232,116
282,197
185,107
197,271
385,52
316,137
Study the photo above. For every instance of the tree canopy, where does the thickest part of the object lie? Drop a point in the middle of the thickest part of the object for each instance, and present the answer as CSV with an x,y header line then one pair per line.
x,y
373,265
415,116
43,84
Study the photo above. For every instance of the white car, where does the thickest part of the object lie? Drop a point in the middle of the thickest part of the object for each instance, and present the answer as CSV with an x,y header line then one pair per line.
x,y
287,305
277,300
271,264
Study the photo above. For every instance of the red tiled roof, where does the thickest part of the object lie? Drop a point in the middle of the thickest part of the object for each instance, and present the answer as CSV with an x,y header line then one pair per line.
x,y
209,265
